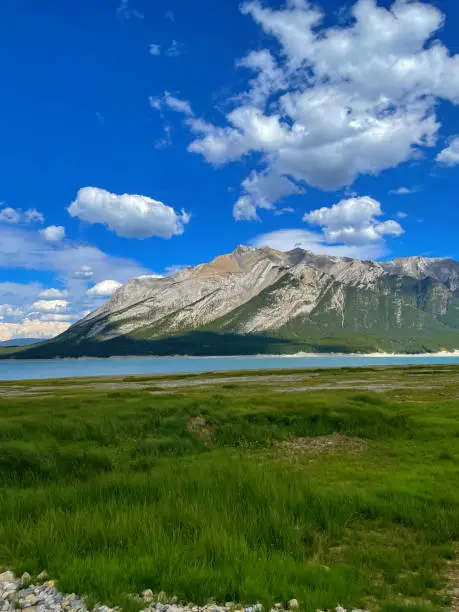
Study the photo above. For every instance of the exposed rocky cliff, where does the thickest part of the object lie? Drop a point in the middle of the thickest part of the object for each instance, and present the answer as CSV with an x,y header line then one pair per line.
x,y
262,300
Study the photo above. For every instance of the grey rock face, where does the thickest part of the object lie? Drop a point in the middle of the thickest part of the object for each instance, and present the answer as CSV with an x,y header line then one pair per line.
x,y
298,282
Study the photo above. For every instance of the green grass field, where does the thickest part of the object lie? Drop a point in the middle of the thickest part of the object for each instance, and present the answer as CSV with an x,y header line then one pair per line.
x,y
238,490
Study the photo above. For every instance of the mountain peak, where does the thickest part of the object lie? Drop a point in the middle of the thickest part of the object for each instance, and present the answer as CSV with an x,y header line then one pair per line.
x,y
264,300
241,249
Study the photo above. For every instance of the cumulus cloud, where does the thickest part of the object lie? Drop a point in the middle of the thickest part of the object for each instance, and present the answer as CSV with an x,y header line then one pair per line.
x,y
262,190
24,306
354,221
7,310
17,215
350,228
105,288
450,155
32,328
129,216
9,215
245,209
53,294
53,233
50,305
33,216
288,239
335,101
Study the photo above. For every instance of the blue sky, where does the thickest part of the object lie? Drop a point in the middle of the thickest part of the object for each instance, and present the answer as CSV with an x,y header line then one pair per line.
x,y
142,135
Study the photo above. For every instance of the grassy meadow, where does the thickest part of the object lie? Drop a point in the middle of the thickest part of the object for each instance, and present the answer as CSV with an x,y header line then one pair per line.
x,y
336,486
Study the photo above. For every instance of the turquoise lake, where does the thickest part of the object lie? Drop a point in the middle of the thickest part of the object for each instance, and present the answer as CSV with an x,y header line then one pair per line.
x,y
63,368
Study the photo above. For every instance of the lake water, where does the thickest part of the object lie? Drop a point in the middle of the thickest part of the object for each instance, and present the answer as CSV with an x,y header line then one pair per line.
x,y
62,368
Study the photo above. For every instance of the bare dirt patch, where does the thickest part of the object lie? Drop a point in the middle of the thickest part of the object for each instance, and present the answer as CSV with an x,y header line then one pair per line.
x,y
357,385
452,576
198,426
334,443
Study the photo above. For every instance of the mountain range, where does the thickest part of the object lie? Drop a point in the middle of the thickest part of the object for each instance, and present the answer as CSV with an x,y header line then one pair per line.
x,y
259,300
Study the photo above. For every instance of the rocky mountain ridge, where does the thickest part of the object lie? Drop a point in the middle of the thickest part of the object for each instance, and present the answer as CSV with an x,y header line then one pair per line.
x,y
281,301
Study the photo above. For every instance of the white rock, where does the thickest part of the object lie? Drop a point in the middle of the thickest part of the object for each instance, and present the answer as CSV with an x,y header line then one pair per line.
x,y
6,577
293,603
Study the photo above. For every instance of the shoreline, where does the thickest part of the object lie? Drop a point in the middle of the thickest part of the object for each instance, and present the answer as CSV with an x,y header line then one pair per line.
x,y
299,355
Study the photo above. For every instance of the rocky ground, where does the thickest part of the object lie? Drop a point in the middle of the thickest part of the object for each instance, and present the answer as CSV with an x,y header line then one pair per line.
x,y
41,595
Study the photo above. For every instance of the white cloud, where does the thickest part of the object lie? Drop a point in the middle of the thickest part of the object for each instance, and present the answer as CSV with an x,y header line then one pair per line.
x,y
9,215
177,105
245,209
33,216
155,103
129,216
262,190
350,228
32,328
50,305
104,288
53,233
72,264
7,310
19,293
154,49
336,101
450,155
170,16
59,317
353,221
404,190
288,239
17,215
283,211
124,11
175,49
50,294
401,215
166,141
70,261
83,272
150,276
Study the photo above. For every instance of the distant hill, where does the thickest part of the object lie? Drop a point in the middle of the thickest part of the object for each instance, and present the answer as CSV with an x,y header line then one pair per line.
x,y
265,301
20,342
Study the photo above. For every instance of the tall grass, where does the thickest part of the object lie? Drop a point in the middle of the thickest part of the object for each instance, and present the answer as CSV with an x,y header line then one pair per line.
x,y
116,493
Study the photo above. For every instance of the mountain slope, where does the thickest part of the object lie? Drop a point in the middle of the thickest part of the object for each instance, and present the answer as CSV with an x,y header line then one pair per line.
x,y
266,301
19,342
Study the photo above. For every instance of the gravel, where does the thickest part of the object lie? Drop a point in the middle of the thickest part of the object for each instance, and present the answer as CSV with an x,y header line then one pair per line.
x,y
41,595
